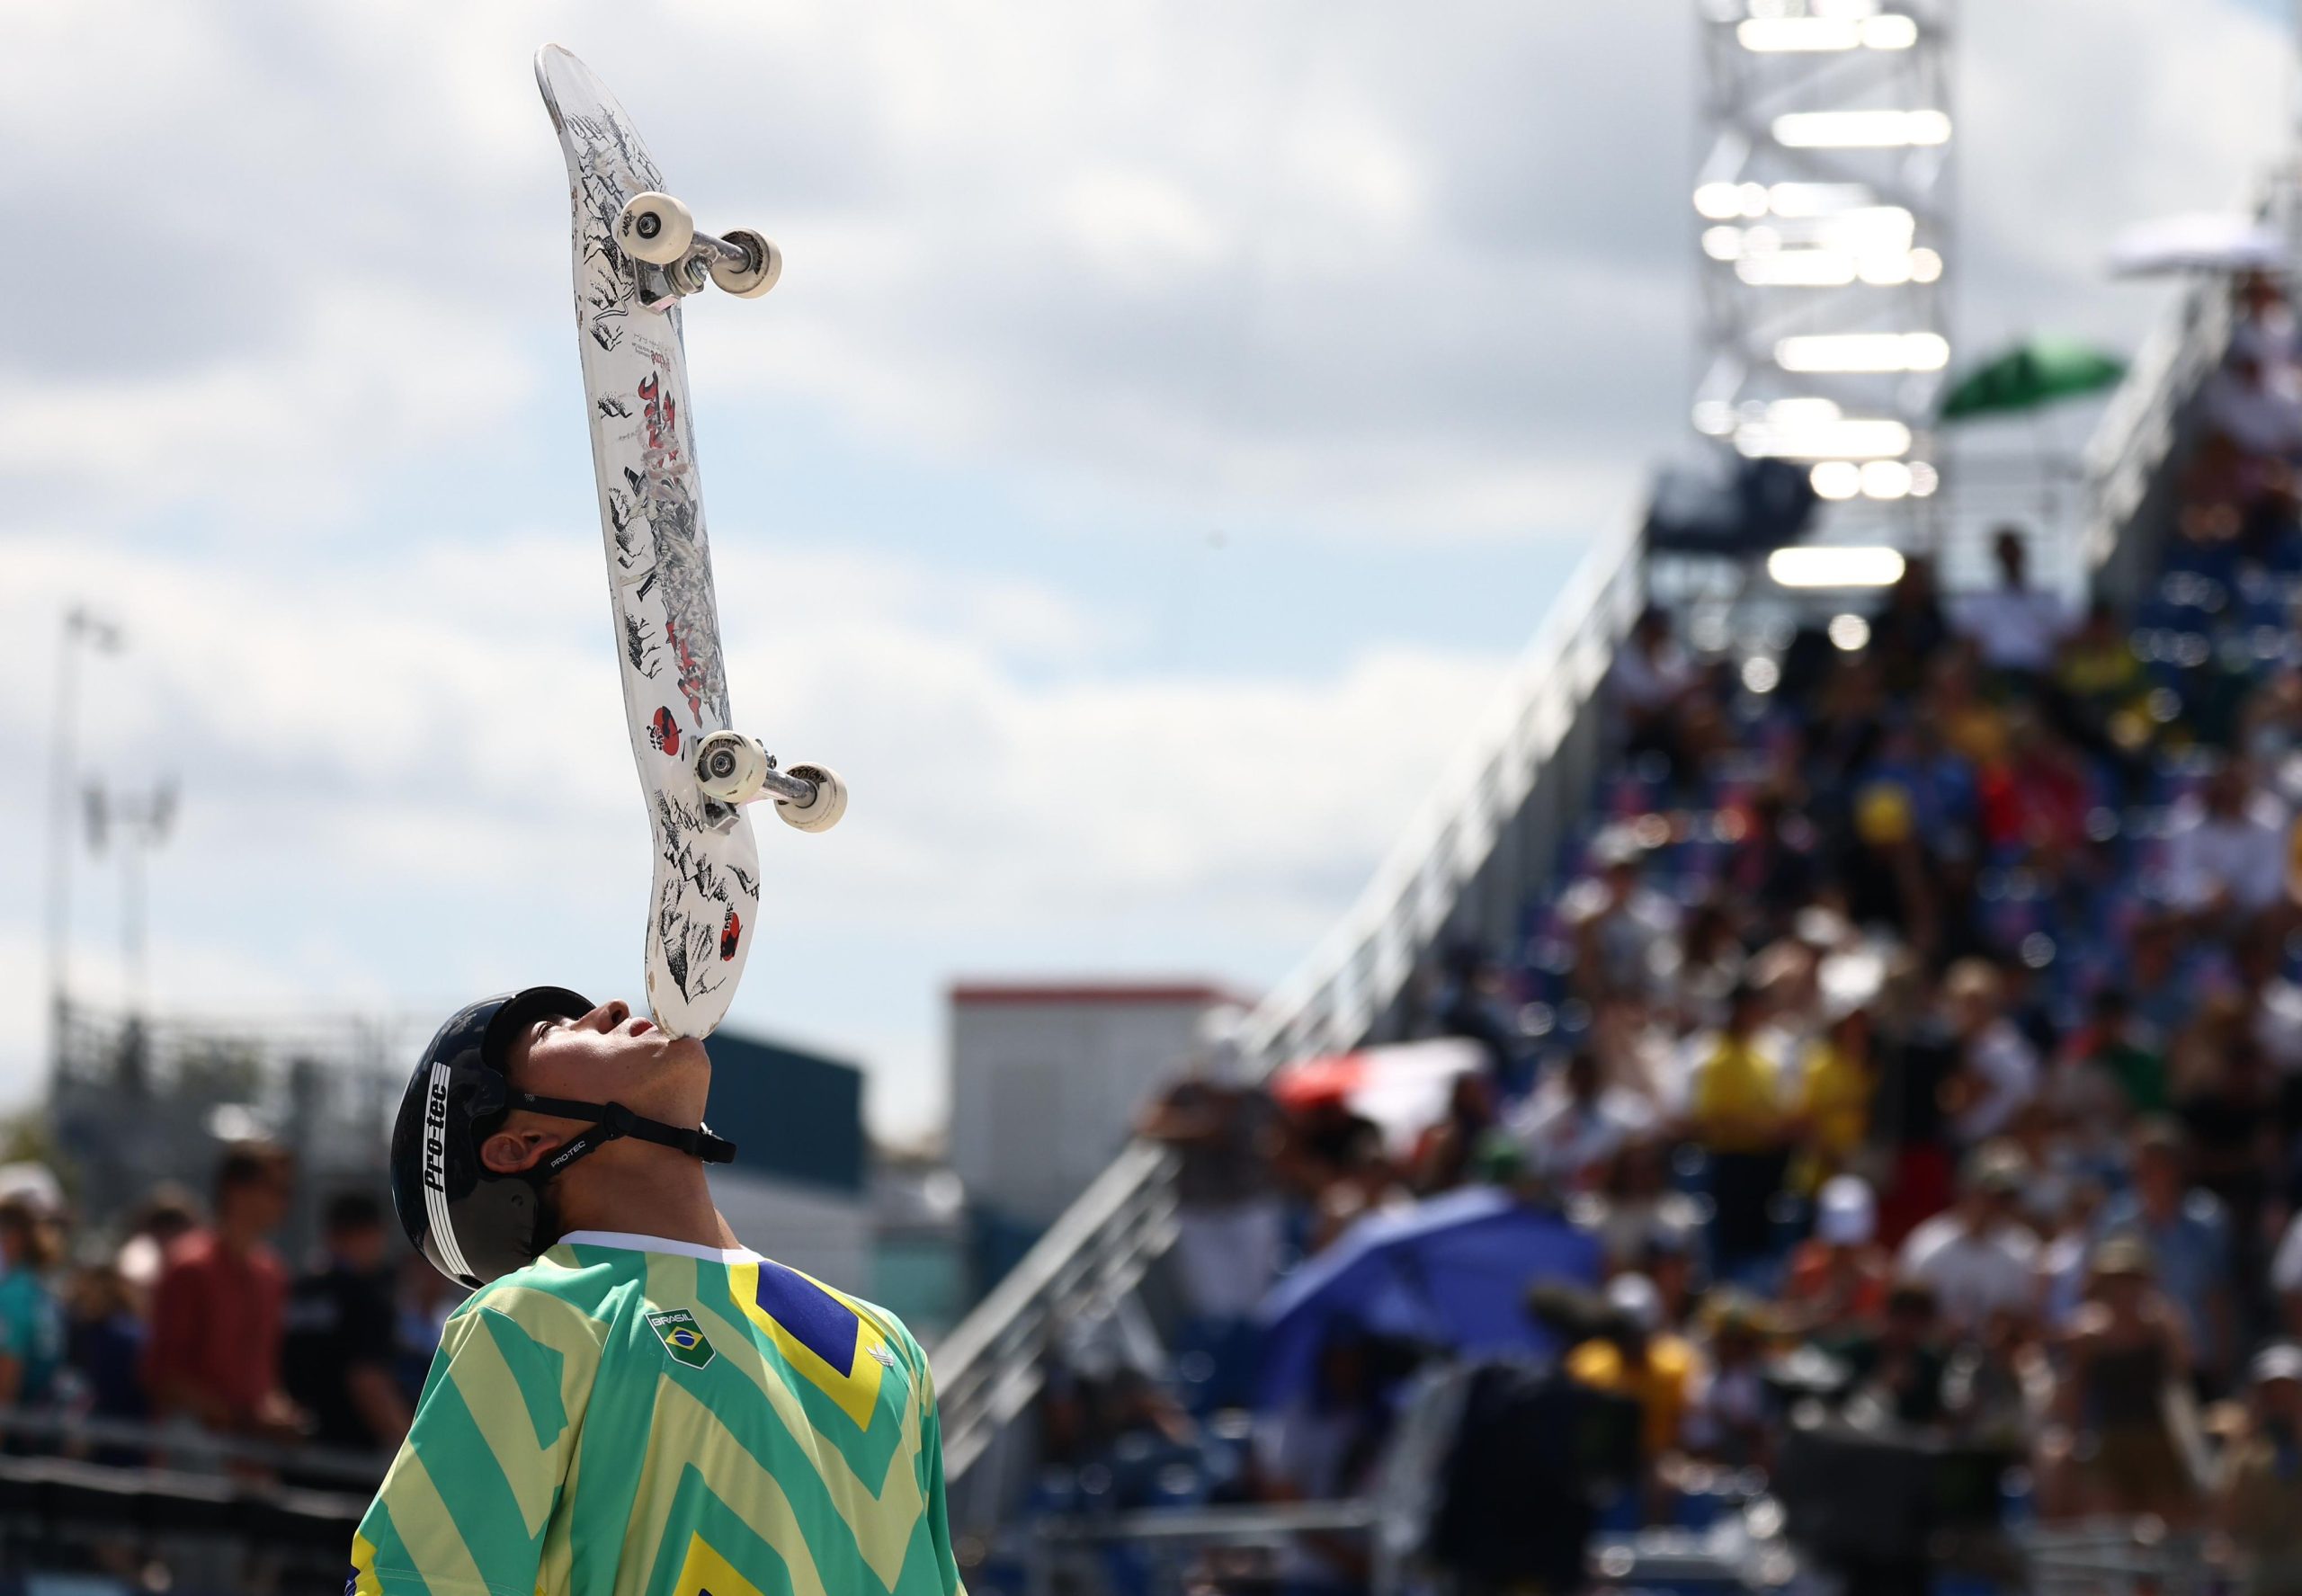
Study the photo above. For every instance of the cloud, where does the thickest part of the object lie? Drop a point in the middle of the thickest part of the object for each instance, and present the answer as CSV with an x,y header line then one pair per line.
x,y
392,770
288,386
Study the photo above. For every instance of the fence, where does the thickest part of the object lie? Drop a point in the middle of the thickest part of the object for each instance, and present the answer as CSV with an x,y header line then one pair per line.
x,y
134,1100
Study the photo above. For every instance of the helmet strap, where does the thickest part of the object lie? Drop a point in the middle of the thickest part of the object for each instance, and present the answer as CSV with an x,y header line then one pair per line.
x,y
613,1121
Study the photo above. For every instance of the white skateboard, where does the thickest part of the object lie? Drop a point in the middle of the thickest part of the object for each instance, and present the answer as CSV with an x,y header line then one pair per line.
x,y
637,253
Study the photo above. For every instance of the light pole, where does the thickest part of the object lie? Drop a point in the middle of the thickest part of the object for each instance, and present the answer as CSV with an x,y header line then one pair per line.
x,y
141,822
81,627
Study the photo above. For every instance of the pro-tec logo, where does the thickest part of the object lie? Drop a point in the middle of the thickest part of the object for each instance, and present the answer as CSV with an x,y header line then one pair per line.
x,y
681,1337
435,1133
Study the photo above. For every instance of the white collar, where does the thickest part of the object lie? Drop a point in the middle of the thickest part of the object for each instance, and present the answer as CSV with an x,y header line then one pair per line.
x,y
656,1244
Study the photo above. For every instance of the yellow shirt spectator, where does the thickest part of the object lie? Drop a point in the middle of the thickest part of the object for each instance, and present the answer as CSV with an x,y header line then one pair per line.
x,y
1834,1106
1661,1385
1737,1100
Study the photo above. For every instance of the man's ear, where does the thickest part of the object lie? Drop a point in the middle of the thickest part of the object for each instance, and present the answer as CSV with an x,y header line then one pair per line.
x,y
514,1152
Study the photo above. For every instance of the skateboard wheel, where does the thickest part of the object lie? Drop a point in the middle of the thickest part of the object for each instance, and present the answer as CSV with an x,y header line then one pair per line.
x,y
653,227
755,276
828,805
729,767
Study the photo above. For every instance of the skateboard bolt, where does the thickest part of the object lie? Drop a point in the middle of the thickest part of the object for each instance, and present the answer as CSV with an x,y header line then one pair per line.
x,y
723,764
647,226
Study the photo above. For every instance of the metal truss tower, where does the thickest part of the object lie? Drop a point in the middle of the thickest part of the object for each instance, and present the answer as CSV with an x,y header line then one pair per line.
x,y
1825,205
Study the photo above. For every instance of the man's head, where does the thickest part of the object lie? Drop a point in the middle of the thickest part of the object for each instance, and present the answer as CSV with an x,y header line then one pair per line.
x,y
253,1181
1973,993
2012,552
605,1054
2275,1376
352,1229
513,1093
2161,1162
1991,1183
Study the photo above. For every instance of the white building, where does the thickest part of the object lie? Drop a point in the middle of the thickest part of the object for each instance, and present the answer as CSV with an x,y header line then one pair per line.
x,y
1047,1078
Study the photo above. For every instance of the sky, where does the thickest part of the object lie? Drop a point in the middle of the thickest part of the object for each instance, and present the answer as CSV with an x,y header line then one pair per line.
x,y
1171,420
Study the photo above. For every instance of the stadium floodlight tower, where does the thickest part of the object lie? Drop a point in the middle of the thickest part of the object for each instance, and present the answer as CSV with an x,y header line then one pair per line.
x,y
1824,199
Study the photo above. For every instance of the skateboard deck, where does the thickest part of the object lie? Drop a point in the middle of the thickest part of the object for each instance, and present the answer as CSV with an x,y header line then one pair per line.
x,y
704,901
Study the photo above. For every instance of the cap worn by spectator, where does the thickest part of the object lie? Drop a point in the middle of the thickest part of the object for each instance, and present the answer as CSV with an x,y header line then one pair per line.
x,y
1997,1169
1846,1215
2280,1361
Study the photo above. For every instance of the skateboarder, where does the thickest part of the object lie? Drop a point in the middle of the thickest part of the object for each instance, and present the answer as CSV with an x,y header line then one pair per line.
x,y
631,1400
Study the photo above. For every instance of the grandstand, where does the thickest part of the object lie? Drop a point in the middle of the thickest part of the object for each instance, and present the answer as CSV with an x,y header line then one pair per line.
x,y
1484,863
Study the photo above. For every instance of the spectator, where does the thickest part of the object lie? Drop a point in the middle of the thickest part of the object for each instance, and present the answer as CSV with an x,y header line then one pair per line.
x,y
2226,849
2114,1443
168,1214
105,1348
1446,1153
1897,1370
341,1341
1574,1125
1653,677
2016,627
1736,1113
1836,1085
1225,1133
2243,404
2118,1046
1976,1258
1625,933
1731,1418
2262,1476
1838,1279
1910,631
1991,1386
213,1358
1640,1357
2285,1277
31,1321
2184,1230
1998,1070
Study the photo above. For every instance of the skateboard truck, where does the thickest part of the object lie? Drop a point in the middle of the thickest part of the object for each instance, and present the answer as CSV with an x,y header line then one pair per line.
x,y
734,769
658,230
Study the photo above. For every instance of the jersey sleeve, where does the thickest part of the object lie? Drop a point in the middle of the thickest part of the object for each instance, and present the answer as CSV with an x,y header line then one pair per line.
x,y
463,1512
930,1465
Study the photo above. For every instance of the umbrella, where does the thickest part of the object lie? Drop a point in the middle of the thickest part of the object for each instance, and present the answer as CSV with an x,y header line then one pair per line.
x,y
1401,1088
1451,1272
2034,372
2206,242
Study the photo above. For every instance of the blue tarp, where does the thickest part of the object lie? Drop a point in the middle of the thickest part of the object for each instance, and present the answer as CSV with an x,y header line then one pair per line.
x,y
1453,1272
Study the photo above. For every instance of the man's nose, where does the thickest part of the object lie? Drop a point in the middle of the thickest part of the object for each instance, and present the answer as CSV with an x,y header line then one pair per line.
x,y
614,1013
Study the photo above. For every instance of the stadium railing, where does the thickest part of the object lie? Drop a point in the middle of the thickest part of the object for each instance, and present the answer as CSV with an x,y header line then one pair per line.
x,y
1486,836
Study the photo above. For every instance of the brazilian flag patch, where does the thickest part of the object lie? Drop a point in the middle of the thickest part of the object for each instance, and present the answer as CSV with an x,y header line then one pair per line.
x,y
681,1337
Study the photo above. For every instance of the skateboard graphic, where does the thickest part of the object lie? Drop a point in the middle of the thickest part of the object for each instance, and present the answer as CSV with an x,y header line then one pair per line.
x,y
637,253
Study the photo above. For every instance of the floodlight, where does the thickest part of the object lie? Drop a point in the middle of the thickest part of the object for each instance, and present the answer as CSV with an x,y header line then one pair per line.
x,y
1835,565
1860,129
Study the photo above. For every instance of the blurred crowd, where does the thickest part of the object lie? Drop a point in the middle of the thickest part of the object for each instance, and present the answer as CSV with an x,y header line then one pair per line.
x,y
188,1327
1923,1013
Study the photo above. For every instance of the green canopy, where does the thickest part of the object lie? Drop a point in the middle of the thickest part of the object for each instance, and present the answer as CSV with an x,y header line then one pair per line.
x,y
2034,372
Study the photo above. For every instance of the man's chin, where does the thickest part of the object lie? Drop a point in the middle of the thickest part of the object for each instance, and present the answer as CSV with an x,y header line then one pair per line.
x,y
686,1052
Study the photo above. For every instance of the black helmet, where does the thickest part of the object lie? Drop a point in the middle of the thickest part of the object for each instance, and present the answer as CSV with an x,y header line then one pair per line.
x,y
471,1222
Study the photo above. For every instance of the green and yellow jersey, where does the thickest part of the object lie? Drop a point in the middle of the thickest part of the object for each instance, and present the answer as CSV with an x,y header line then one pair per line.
x,y
628,1416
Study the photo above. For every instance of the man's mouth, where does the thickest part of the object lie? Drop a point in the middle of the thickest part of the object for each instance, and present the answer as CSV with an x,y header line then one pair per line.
x,y
640,1028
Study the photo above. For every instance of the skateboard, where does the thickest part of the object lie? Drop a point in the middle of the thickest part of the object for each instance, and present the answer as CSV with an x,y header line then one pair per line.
x,y
637,254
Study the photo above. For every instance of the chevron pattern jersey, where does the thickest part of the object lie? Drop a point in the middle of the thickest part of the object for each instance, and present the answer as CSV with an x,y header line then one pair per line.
x,y
628,1416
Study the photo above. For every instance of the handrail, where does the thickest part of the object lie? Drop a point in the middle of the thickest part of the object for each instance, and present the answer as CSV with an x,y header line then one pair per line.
x,y
986,1367
2140,429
